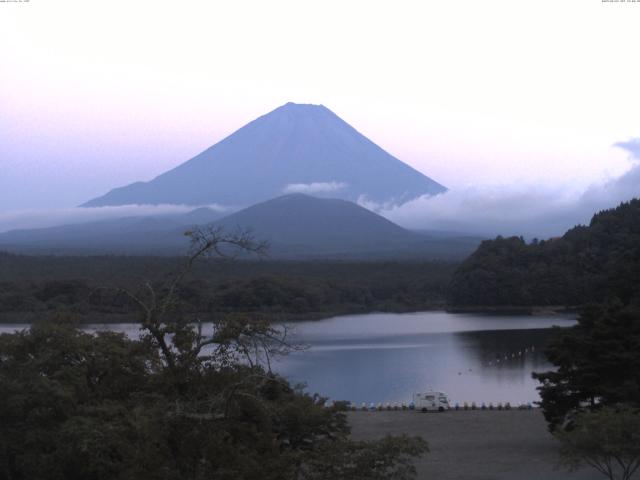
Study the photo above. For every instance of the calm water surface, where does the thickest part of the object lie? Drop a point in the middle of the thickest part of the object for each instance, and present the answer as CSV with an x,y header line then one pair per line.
x,y
385,357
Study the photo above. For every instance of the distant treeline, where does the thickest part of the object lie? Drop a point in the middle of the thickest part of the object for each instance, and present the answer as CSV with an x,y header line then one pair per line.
x,y
588,264
35,286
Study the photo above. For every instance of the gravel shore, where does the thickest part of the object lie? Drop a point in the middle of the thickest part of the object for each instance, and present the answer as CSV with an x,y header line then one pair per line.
x,y
474,444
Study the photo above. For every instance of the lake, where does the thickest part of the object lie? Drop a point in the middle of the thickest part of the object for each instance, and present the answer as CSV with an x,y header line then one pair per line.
x,y
384,357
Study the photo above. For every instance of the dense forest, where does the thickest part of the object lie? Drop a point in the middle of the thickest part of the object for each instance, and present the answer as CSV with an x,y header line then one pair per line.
x,y
587,264
31,286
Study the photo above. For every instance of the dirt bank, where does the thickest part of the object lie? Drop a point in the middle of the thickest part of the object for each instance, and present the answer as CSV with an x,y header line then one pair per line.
x,y
476,445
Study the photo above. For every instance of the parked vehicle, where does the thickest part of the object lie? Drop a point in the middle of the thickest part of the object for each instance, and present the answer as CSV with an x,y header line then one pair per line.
x,y
431,401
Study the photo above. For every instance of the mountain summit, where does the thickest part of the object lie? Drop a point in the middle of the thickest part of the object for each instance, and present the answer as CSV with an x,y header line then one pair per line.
x,y
296,148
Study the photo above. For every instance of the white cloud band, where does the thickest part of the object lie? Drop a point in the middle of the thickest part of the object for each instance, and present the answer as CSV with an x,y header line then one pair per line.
x,y
315,187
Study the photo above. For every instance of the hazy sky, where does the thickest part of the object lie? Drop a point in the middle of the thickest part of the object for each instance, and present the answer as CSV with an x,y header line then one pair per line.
x,y
94,95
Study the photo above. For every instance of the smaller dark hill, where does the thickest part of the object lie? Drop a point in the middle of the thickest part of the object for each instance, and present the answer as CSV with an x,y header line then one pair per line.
x,y
300,223
587,264
296,226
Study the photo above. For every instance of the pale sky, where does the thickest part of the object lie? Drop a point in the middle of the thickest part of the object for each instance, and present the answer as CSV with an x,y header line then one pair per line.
x,y
98,94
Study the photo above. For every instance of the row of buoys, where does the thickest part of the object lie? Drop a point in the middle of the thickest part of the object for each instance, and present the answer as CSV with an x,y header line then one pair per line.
x,y
505,358
491,406
396,406
386,406
512,355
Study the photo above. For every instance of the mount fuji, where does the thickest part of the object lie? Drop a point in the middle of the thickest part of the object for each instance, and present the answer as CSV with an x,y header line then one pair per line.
x,y
296,148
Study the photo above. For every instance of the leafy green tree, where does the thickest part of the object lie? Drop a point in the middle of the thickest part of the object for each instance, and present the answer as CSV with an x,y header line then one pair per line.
x,y
597,360
185,401
607,439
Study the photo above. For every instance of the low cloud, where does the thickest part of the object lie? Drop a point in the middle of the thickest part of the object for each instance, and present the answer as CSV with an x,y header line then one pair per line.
x,y
531,211
528,210
41,218
632,146
366,202
315,187
490,211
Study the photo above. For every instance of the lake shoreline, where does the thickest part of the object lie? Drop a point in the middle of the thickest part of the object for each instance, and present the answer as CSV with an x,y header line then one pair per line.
x,y
535,310
29,317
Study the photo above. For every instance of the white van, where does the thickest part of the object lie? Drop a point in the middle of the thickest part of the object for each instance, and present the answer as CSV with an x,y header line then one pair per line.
x,y
431,401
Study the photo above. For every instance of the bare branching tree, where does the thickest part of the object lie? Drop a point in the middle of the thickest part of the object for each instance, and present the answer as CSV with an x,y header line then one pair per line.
x,y
188,345
183,340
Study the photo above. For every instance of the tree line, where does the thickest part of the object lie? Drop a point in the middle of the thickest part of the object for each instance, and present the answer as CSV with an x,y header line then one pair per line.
x,y
587,264
33,286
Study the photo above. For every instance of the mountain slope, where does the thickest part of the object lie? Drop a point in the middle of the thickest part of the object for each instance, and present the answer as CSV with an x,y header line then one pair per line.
x,y
138,235
294,148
